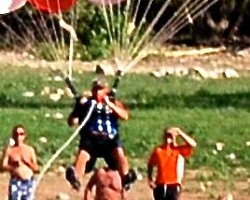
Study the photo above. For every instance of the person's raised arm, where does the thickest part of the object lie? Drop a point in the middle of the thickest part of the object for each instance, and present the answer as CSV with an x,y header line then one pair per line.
x,y
187,139
73,118
118,108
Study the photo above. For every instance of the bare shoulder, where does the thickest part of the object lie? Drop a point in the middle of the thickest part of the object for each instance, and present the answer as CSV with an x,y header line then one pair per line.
x,y
8,150
28,148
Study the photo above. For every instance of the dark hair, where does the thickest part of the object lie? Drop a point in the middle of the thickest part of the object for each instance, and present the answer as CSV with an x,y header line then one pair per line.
x,y
14,130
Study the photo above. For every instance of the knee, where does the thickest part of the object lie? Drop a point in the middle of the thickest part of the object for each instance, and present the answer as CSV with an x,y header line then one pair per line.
x,y
83,156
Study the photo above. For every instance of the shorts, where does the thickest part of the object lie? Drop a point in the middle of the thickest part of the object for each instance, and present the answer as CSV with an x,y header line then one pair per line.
x,y
167,192
99,148
21,189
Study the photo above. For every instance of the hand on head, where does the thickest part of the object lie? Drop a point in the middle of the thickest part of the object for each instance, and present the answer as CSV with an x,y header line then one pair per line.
x,y
170,134
174,131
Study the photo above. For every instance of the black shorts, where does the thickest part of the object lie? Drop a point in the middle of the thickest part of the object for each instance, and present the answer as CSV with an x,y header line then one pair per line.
x,y
167,192
99,148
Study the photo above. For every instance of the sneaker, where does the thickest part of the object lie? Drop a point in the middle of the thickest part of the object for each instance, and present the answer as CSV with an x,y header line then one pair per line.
x,y
129,179
70,176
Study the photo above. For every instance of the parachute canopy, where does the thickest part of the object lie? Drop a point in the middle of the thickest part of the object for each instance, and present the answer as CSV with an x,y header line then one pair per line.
x,y
106,2
53,6
7,6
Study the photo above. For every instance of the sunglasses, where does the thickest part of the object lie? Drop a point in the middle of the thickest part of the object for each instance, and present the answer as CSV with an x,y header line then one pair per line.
x,y
20,134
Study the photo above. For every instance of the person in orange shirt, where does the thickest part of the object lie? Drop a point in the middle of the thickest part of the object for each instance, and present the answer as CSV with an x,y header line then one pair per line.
x,y
100,135
21,162
168,158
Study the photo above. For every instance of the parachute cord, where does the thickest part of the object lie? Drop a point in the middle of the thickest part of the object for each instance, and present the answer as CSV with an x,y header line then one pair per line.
x,y
60,150
73,37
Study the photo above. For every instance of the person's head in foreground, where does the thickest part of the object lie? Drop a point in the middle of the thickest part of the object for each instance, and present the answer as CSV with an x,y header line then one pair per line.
x,y
104,184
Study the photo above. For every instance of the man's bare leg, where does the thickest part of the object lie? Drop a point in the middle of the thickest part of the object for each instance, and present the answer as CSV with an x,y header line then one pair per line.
x,y
73,173
80,164
122,161
128,175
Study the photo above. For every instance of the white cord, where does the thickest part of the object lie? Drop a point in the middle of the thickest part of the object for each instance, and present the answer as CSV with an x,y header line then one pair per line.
x,y
60,150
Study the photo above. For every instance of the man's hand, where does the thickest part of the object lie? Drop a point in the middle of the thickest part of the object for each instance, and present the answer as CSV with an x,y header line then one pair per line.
x,y
16,164
75,121
151,184
190,141
107,100
175,131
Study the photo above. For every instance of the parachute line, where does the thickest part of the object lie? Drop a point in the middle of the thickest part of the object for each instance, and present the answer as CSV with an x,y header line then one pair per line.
x,y
61,149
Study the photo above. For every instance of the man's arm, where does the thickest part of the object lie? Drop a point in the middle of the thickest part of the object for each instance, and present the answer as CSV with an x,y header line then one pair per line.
x,y
118,108
151,163
32,164
73,119
187,139
5,163
88,193
151,182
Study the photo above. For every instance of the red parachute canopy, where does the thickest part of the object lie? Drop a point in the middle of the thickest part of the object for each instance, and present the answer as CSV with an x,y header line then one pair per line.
x,y
53,6
7,6
106,2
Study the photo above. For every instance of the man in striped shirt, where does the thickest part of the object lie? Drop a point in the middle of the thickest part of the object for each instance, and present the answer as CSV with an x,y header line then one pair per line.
x,y
168,158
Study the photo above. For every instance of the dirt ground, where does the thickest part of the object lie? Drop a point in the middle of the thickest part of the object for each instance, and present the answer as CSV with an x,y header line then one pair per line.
x,y
193,189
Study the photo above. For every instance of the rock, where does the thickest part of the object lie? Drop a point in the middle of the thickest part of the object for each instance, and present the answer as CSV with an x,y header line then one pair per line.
x,y
159,73
170,71
62,196
61,169
45,91
55,97
219,146
60,91
43,140
58,115
243,53
230,73
202,187
199,72
58,79
231,156
105,69
180,71
28,94
229,196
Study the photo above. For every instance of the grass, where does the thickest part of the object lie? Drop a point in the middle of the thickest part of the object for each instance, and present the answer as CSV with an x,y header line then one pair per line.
x,y
210,110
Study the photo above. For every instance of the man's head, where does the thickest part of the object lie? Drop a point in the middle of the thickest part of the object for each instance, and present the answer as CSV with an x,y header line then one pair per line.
x,y
170,135
18,133
100,89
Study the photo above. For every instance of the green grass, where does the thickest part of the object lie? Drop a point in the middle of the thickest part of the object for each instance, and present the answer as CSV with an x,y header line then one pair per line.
x,y
210,110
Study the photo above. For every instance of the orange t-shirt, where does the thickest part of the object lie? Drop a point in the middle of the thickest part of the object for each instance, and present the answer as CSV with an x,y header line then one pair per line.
x,y
170,163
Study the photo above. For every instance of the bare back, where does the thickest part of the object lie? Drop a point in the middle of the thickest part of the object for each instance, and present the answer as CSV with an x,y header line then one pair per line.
x,y
108,185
